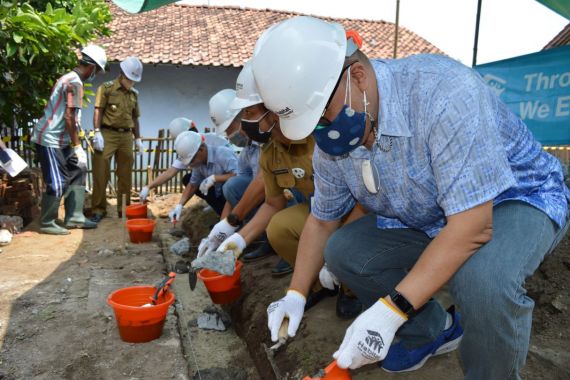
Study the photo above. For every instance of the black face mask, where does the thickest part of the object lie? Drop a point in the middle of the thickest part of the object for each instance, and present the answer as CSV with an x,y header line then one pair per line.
x,y
251,129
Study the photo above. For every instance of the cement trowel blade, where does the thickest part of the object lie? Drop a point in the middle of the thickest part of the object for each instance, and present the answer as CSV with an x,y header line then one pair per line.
x,y
192,278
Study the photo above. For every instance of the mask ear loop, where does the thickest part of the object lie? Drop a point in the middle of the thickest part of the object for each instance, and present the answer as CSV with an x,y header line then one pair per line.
x,y
348,95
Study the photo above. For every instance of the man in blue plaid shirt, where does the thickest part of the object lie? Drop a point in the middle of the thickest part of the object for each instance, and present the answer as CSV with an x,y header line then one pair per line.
x,y
459,193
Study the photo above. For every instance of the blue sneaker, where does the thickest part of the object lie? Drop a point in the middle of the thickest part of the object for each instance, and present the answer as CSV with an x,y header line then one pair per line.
x,y
400,359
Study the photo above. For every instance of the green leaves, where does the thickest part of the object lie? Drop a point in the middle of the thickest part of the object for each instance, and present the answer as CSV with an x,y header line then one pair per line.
x,y
39,41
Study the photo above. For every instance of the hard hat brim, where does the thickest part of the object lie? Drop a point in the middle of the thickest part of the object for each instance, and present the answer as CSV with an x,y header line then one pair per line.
x,y
302,126
239,104
223,126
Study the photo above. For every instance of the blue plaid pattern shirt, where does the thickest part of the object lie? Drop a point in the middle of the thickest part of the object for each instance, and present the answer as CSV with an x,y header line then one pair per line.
x,y
221,160
248,160
454,146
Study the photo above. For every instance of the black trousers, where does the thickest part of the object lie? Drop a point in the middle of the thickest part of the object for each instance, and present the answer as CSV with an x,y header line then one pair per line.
x,y
216,202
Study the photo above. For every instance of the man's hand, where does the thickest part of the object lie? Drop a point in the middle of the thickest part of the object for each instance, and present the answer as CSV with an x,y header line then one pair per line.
x,y
327,278
144,193
98,141
368,338
291,306
235,243
207,184
175,213
81,156
140,146
221,231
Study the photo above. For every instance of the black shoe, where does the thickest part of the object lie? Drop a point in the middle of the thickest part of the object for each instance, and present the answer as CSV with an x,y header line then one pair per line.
x,y
262,252
315,297
347,306
96,218
281,269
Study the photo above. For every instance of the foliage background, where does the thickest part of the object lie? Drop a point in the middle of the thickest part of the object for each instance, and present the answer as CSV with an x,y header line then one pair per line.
x,y
39,42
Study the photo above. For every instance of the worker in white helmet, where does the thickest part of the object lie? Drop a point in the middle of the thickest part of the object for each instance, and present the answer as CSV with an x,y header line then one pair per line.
x,y
244,192
62,159
460,193
175,128
116,123
211,167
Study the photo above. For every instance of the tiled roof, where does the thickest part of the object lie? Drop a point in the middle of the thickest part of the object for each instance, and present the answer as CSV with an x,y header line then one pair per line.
x,y
563,38
225,36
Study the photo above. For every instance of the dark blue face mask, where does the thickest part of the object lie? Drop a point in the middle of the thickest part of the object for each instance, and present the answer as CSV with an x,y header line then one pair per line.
x,y
346,131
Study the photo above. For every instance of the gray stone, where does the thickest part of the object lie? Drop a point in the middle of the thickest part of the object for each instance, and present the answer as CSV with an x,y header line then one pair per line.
x,y
181,247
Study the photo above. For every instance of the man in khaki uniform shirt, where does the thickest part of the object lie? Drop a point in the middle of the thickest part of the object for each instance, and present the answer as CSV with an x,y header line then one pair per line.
x,y
115,122
288,177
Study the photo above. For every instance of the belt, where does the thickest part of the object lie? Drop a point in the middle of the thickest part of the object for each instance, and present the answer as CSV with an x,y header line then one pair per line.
x,y
123,130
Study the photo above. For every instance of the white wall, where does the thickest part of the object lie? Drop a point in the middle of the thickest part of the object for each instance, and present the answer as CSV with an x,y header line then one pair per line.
x,y
168,91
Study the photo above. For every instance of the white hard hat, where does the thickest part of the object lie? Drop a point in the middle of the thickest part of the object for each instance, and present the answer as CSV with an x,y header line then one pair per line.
x,y
246,89
96,54
179,125
296,70
186,145
220,111
132,68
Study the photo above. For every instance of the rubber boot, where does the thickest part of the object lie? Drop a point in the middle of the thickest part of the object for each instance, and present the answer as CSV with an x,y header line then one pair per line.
x,y
73,203
50,207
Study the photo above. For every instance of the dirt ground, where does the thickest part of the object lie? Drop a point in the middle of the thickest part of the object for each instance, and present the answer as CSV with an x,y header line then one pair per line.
x,y
55,324
54,320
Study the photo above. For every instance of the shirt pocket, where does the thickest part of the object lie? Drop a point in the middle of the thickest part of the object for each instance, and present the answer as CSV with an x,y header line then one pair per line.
x,y
285,180
113,105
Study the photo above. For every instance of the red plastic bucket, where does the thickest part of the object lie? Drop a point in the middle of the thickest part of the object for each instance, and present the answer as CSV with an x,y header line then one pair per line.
x,y
139,324
333,372
140,230
136,211
222,289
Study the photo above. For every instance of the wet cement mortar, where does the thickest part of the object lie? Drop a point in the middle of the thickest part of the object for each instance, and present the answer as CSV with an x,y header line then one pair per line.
x,y
321,331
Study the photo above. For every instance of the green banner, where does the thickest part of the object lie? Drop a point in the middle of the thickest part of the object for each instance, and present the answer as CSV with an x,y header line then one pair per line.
x,y
139,6
562,7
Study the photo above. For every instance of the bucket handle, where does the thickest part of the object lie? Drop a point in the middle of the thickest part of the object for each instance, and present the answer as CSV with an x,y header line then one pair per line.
x,y
162,287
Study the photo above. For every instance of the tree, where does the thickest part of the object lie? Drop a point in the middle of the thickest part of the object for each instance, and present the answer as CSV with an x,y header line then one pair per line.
x,y
38,46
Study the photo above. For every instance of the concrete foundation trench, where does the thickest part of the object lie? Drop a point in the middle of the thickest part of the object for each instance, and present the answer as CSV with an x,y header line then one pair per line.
x,y
239,352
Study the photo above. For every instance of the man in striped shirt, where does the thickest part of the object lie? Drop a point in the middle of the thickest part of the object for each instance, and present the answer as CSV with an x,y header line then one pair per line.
x,y
62,159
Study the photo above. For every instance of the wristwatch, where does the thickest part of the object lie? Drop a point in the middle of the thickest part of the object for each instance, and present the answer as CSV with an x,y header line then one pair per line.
x,y
402,303
233,220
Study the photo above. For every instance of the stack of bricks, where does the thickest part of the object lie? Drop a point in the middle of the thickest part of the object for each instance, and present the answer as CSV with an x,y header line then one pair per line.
x,y
20,195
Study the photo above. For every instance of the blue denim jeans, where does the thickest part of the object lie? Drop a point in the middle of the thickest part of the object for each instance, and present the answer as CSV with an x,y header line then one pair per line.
x,y
488,288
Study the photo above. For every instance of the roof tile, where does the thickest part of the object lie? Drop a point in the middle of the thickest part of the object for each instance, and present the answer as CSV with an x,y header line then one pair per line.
x,y
225,36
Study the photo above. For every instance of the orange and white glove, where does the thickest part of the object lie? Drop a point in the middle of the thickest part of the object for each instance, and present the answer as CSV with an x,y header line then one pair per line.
x,y
368,339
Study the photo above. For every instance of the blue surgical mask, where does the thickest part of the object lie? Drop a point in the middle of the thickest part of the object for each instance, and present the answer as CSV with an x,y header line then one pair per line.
x,y
345,132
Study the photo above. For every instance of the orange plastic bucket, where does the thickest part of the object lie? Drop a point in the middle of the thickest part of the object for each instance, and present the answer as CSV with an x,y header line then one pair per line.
x,y
136,211
222,289
139,324
140,230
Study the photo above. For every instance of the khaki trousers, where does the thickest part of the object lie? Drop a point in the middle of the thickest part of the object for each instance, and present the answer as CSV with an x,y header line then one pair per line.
x,y
119,145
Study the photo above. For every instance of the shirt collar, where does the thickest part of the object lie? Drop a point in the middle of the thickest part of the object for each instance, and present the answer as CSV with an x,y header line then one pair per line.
x,y
391,120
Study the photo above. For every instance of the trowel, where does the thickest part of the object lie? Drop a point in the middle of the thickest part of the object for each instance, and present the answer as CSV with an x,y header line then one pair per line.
x,y
281,341
331,372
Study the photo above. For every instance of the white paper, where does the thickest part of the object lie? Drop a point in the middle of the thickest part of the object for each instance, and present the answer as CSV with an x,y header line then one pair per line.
x,y
16,165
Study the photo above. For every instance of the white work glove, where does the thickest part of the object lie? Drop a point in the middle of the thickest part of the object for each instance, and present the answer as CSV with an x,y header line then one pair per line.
x,y
81,156
234,243
207,183
221,231
327,278
175,213
98,141
291,306
368,338
140,147
144,193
